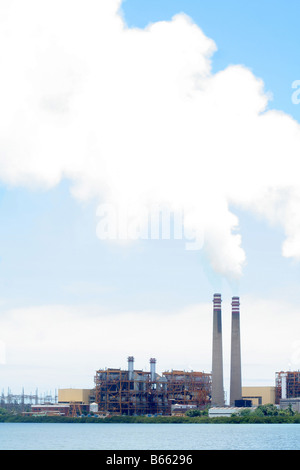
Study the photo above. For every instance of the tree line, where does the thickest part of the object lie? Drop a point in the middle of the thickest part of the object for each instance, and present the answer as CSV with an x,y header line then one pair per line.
x,y
261,414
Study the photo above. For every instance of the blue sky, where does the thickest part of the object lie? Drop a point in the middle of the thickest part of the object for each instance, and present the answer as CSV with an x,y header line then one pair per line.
x,y
71,302
261,35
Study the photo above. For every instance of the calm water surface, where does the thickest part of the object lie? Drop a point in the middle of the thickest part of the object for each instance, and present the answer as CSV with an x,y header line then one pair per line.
x,y
93,436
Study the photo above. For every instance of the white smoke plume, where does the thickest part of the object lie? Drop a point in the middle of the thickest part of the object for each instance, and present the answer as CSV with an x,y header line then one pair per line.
x,y
136,117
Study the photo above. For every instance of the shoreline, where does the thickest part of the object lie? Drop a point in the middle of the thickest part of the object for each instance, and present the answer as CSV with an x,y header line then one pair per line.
x,y
154,420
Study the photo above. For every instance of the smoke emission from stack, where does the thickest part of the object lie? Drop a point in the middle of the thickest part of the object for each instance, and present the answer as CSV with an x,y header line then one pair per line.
x,y
217,398
235,368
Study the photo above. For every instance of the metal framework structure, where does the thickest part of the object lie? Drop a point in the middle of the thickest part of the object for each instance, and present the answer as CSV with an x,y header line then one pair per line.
x,y
75,409
22,401
287,385
188,388
138,392
116,392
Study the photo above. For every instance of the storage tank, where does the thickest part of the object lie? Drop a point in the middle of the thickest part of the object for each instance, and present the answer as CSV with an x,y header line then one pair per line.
x,y
94,407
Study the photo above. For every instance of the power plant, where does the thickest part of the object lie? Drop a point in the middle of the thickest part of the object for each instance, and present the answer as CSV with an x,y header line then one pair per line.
x,y
134,392
138,392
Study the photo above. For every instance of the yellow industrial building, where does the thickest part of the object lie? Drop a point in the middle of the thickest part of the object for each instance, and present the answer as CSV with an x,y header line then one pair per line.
x,y
259,395
74,395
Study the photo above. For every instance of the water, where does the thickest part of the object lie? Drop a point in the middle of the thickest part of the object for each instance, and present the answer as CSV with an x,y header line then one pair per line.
x,y
106,436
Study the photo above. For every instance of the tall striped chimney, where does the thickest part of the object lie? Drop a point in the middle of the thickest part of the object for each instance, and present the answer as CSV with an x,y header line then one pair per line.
x,y
235,368
217,396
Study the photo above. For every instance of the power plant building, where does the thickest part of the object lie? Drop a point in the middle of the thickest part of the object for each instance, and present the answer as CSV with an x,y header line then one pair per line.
x,y
138,392
259,395
76,395
287,385
135,392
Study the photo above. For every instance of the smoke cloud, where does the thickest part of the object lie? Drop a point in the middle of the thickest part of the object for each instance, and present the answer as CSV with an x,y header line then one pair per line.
x,y
136,117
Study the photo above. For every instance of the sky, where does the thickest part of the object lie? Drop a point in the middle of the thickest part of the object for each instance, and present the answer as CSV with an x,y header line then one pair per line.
x,y
149,157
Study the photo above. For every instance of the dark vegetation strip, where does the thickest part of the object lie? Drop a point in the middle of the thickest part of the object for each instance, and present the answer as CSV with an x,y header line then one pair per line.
x,y
5,418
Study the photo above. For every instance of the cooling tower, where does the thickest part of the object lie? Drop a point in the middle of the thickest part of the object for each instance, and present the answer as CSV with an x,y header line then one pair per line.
x,y
217,396
235,368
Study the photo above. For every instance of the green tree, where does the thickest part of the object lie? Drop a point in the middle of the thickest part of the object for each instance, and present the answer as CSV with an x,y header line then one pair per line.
x,y
196,412
4,412
246,412
266,410
193,413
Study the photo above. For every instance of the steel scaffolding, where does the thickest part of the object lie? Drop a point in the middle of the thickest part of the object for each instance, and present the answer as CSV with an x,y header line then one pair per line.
x,y
116,392
134,393
287,385
188,388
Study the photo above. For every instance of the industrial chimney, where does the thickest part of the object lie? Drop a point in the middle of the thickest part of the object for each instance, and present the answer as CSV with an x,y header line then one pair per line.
x,y
217,397
235,370
152,369
130,367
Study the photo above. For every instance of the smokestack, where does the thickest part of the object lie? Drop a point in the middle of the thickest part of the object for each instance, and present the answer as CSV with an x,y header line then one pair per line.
x,y
152,369
217,397
235,371
130,367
